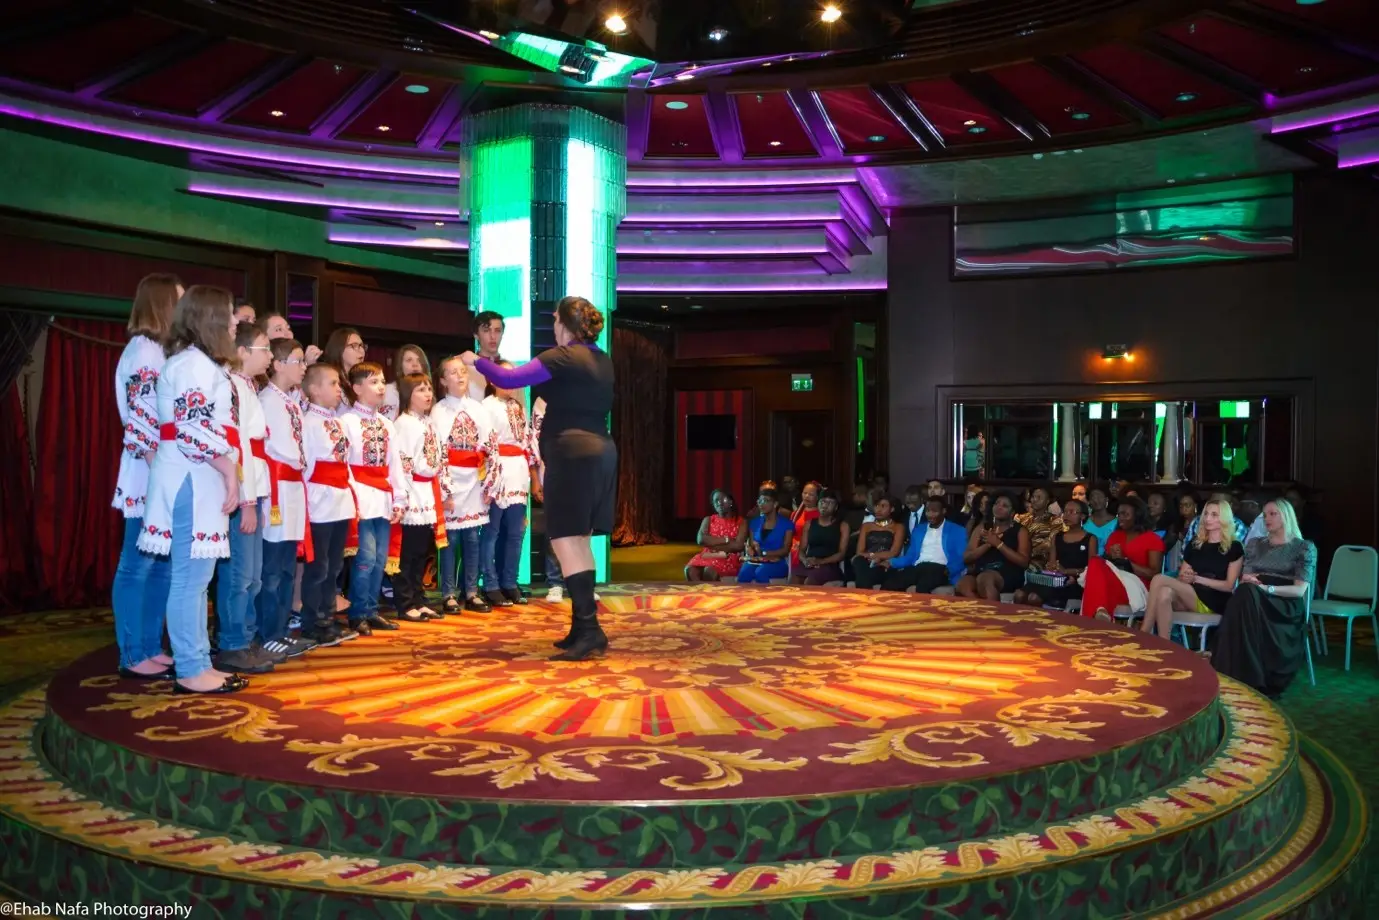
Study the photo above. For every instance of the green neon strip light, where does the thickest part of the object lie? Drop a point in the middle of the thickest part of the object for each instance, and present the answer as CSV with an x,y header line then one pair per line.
x,y
861,405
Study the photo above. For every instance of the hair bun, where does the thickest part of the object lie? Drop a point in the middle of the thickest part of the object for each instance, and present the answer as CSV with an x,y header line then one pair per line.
x,y
592,321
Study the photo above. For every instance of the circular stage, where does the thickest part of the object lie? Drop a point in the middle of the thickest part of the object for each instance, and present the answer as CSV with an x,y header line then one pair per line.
x,y
738,746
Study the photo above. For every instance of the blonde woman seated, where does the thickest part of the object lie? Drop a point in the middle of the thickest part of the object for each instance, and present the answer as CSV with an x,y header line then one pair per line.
x,y
1210,569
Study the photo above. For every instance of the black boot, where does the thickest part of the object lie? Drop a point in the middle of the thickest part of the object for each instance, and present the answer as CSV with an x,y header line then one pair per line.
x,y
569,639
588,640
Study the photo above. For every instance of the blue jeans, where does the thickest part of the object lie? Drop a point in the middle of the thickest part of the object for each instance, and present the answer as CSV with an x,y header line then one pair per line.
x,y
762,573
238,581
275,597
554,578
186,610
139,596
367,578
502,546
468,544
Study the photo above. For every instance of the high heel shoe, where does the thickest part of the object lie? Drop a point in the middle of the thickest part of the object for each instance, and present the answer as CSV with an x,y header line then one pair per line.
x,y
232,684
127,674
589,644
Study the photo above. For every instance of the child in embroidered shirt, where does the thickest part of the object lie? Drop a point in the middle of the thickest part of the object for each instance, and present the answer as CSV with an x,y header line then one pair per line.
x,y
408,359
380,490
194,482
286,525
423,526
139,594
330,503
470,445
239,577
507,514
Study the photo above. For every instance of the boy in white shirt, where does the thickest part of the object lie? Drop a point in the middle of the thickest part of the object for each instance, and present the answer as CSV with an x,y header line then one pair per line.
x,y
330,503
470,445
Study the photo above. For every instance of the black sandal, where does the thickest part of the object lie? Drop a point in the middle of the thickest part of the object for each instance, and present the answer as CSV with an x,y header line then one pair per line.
x,y
452,607
232,684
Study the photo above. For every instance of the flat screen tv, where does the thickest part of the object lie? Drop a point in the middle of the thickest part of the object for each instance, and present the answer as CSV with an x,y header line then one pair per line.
x,y
711,432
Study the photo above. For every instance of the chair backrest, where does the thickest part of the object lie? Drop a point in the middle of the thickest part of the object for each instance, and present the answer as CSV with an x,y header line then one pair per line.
x,y
1354,573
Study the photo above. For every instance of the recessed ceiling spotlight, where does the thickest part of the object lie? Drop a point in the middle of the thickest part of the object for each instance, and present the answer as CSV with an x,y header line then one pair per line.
x,y
1081,116
384,128
687,75
680,144
1185,97
1172,181
677,104
1060,153
1304,69
1201,175
877,138
665,306
830,13
440,223
1038,156
717,35
491,36
569,68
418,89
970,122
615,24
1309,2
976,129
775,143
696,306
1077,150
276,113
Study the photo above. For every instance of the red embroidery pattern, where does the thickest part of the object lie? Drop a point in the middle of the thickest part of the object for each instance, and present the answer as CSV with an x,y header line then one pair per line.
x,y
294,415
339,444
464,434
375,446
431,449
517,421
139,387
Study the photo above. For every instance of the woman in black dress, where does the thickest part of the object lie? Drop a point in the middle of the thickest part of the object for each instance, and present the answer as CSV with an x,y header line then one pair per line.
x,y
1072,549
997,554
1211,565
576,380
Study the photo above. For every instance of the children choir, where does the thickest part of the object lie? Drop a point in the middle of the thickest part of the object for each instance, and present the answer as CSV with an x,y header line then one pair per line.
x,y
251,458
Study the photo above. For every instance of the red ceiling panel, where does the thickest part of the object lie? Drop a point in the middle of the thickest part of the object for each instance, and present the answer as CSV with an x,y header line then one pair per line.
x,y
1347,19
191,84
862,123
1168,89
403,112
771,127
1062,107
1279,65
73,58
301,98
956,115
679,127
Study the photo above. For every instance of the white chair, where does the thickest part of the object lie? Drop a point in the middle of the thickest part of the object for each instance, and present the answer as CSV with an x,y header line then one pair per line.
x,y
1306,626
1202,621
1355,577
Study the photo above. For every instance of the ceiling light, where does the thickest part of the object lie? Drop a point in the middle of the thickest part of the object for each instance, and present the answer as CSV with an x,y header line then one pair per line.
x,y
696,306
976,129
1039,156
384,128
569,68
418,89
717,35
1081,116
1077,150
665,306
830,13
1060,153
1185,97
440,223
775,143
615,24
970,122
877,138
1304,70
276,113
1172,181
1204,237
491,36
677,104
687,75
1309,2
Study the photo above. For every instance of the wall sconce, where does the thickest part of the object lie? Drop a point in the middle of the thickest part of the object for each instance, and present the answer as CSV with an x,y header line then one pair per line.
x,y
1117,353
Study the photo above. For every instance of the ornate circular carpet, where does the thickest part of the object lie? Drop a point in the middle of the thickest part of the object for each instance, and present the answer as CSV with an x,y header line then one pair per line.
x,y
716,692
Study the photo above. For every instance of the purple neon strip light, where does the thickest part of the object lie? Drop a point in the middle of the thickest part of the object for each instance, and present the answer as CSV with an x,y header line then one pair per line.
x,y
783,287
228,148
1306,120
428,242
731,217
633,249
709,180
324,201
1368,158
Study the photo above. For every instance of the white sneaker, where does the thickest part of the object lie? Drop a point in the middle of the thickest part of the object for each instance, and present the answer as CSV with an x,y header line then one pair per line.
x,y
555,595
596,597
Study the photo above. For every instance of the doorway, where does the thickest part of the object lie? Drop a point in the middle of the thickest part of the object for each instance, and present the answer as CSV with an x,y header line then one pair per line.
x,y
802,446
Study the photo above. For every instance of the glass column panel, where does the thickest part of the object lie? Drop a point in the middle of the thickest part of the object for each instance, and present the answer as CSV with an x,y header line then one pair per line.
x,y
545,188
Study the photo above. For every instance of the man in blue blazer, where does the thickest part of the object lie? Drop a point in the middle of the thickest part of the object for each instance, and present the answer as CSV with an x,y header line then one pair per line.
x,y
933,557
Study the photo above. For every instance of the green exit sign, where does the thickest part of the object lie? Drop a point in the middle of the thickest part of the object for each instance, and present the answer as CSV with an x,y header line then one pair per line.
x,y
801,383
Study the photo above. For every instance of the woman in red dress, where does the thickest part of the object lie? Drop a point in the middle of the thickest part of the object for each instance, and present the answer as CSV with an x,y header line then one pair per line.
x,y
806,512
723,535
1133,549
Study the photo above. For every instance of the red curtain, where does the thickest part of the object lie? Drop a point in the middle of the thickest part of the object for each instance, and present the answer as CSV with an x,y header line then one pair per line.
x,y
640,370
78,448
18,584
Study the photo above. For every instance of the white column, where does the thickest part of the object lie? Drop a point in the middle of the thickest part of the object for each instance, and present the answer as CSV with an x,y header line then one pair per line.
x,y
1067,443
1172,449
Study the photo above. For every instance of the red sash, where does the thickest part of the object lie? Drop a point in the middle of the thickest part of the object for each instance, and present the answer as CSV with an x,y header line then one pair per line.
x,y
167,432
442,540
259,448
326,473
279,472
373,476
510,450
468,459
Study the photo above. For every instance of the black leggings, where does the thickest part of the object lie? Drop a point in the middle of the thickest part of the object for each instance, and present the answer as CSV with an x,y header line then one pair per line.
x,y
418,544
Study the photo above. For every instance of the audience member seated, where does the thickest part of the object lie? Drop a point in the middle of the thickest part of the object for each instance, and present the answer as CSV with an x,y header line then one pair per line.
x,y
723,536
806,511
823,543
765,484
1221,495
789,493
963,515
1187,514
768,543
1101,522
978,511
1134,554
1042,527
879,542
855,515
1072,550
1260,639
933,557
997,554
1210,568
1157,506
912,512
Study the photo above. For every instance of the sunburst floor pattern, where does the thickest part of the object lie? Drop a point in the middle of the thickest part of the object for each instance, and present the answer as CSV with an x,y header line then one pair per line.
x,y
715,690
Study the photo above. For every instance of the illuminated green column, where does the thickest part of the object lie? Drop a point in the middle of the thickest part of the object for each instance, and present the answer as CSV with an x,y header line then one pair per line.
x,y
544,187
